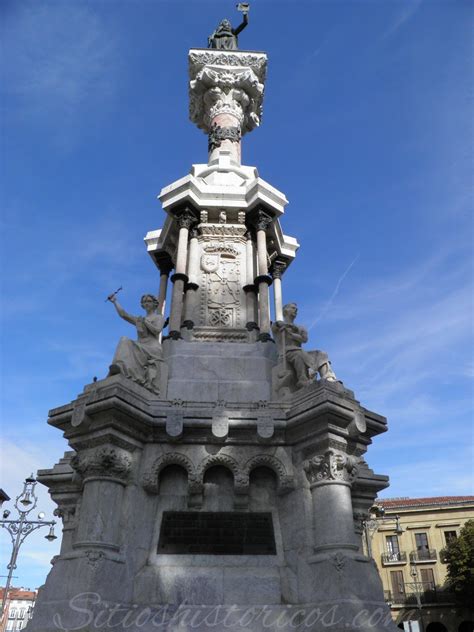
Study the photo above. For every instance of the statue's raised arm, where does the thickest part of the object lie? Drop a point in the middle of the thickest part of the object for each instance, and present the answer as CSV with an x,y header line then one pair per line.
x,y
141,360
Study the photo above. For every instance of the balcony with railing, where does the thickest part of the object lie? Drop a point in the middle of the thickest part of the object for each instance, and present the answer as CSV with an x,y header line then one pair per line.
x,y
423,555
394,559
427,592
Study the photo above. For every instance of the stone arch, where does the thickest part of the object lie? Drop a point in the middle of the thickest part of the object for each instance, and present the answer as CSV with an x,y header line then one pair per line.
x,y
285,481
149,479
219,459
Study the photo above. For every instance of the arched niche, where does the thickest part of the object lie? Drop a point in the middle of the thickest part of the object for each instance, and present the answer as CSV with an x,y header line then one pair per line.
x,y
263,485
173,481
218,489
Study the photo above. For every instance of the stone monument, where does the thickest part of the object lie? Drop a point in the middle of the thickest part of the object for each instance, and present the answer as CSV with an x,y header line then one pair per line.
x,y
213,481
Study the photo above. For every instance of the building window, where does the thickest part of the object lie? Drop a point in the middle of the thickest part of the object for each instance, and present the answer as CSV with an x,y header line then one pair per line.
x,y
449,536
427,579
393,548
12,613
422,547
398,586
21,613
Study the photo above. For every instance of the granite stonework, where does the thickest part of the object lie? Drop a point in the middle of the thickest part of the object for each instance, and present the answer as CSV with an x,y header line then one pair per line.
x,y
265,488
135,457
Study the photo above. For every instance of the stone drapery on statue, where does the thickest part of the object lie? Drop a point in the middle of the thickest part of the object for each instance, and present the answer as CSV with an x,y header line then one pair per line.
x,y
225,37
297,368
141,360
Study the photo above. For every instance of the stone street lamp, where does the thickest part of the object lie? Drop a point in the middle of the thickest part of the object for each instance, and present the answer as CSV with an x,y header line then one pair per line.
x,y
21,528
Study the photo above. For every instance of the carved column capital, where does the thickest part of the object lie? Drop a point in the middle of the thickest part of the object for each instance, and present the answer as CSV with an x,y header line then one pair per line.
x,y
226,82
331,467
262,220
105,462
164,263
277,269
186,219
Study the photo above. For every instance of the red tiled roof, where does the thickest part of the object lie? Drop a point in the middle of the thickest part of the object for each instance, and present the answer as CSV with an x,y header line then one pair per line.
x,y
20,593
392,503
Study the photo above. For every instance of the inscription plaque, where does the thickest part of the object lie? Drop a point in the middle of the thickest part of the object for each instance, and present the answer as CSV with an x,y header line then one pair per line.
x,y
217,533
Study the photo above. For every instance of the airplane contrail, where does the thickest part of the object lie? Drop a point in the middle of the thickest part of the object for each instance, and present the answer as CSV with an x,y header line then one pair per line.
x,y
325,309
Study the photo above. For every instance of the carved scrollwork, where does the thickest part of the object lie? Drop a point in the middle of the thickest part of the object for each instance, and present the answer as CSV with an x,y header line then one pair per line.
x,y
331,466
149,480
103,462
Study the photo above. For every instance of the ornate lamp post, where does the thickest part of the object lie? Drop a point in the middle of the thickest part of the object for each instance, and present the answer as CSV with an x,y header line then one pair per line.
x,y
371,525
418,588
21,528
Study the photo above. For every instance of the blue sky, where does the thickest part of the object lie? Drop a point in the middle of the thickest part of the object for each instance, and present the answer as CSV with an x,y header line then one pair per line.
x,y
367,129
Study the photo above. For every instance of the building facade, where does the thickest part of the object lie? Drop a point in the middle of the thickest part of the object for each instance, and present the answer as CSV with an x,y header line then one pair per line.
x,y
18,610
406,539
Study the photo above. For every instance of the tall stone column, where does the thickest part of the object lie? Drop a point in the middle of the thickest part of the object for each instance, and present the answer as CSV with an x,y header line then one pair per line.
x,y
250,289
192,286
278,269
185,220
263,280
105,473
330,476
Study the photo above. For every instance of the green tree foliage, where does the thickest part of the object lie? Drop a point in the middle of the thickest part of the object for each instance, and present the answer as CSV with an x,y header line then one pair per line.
x,y
459,557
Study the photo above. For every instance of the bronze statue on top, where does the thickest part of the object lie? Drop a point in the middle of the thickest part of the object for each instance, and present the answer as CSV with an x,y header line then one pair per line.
x,y
225,37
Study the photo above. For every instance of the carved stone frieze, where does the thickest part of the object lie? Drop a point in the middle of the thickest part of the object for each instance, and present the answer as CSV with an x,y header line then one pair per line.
x,y
223,230
94,558
104,462
331,466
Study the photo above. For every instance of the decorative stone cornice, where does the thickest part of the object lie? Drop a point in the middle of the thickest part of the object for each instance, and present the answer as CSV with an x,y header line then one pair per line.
x,y
226,83
103,463
331,466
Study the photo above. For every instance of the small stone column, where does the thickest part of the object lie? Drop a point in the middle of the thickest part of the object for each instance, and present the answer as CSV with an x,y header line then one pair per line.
x,y
331,476
277,272
165,265
250,289
263,280
192,285
105,472
185,220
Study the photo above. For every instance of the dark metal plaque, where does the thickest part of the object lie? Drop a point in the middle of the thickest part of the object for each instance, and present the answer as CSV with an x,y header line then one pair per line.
x,y
217,533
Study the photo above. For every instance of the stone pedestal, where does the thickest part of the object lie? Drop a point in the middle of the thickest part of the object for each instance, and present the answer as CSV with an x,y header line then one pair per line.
x,y
138,459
